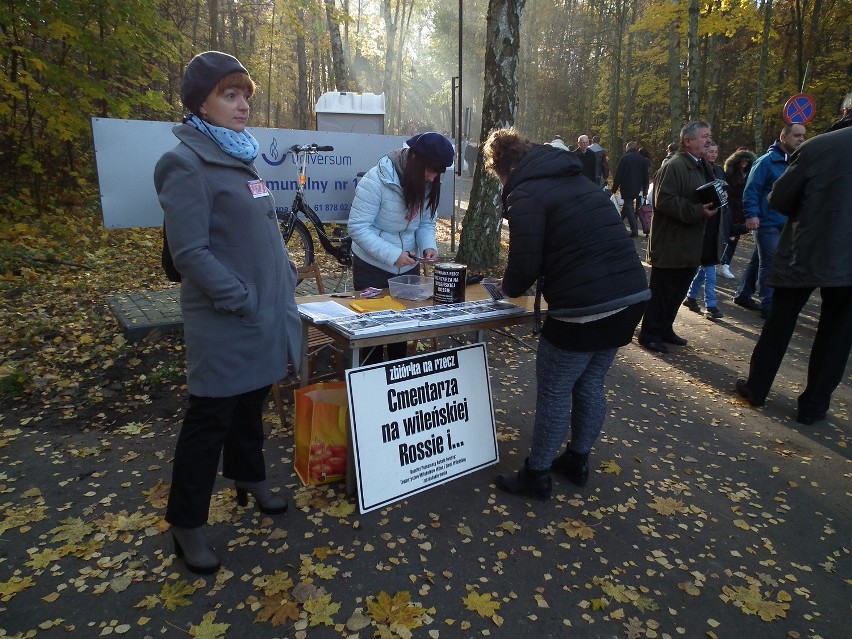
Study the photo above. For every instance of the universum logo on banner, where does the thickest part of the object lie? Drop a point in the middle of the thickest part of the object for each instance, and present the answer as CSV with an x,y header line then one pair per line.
x,y
276,159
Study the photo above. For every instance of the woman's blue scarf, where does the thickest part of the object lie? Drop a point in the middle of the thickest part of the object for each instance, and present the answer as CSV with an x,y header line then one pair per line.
x,y
242,146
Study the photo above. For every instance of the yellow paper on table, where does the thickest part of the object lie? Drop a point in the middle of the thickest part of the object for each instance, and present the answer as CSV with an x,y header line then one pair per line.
x,y
386,303
320,433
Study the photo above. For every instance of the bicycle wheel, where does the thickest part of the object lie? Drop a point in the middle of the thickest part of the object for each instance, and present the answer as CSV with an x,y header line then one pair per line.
x,y
300,245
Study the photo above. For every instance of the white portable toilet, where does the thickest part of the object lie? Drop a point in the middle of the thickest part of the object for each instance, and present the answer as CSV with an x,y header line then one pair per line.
x,y
347,112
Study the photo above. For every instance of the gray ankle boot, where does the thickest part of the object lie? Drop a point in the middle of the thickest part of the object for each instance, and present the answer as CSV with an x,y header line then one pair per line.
x,y
192,545
267,502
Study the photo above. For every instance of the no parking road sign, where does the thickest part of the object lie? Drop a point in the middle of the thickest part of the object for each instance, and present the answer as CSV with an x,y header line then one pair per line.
x,y
800,109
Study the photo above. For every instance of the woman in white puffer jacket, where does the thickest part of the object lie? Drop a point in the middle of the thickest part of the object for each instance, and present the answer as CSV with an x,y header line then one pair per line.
x,y
392,219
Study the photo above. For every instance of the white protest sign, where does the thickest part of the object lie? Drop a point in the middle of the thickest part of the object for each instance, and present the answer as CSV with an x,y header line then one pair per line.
x,y
126,152
420,422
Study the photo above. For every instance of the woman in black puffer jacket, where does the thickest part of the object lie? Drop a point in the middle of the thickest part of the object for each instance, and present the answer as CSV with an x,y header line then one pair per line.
x,y
565,234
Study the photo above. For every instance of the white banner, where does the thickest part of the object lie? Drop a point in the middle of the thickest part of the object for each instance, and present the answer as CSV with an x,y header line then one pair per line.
x,y
126,152
420,422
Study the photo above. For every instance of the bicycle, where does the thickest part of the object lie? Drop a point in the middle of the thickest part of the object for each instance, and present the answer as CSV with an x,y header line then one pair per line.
x,y
297,236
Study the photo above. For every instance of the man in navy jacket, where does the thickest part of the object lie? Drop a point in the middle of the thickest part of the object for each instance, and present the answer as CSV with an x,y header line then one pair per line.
x,y
765,222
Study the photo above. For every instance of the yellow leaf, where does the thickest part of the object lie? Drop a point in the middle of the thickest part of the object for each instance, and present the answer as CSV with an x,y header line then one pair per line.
x,y
667,505
394,611
277,610
176,594
9,589
207,629
321,610
611,467
576,529
510,527
599,604
482,604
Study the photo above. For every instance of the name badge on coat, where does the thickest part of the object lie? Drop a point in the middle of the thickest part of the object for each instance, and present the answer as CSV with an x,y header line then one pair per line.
x,y
257,188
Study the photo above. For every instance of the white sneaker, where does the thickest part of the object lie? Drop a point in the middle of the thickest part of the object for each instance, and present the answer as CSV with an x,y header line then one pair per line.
x,y
725,270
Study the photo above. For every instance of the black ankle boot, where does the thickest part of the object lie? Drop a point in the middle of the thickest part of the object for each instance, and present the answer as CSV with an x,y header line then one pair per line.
x,y
574,466
530,483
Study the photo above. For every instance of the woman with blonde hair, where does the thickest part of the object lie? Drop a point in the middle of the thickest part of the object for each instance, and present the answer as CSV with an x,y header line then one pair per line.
x,y
565,235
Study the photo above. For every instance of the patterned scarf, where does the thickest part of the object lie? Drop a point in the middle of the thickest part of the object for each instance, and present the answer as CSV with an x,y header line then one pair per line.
x,y
242,146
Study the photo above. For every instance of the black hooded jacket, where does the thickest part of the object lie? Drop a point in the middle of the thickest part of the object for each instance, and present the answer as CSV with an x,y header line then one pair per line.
x,y
563,229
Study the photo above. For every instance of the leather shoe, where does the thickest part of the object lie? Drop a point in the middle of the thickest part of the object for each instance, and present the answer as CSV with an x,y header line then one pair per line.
x,y
692,304
746,392
528,483
574,466
747,302
677,340
653,345
810,418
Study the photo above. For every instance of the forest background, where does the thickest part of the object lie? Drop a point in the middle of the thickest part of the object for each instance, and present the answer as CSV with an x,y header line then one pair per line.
x,y
622,69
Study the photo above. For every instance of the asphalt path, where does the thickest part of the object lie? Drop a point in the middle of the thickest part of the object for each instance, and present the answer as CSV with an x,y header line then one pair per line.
x,y
703,517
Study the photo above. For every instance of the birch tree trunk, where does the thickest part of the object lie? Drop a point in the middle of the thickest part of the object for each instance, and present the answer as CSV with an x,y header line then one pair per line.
x,y
300,107
479,246
615,79
213,12
341,70
629,89
692,62
391,18
675,95
761,77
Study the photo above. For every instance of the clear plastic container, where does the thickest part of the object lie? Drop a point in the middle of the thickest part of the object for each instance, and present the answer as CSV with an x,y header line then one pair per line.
x,y
411,287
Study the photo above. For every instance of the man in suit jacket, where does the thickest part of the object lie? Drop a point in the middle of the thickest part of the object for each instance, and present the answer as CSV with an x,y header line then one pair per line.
x,y
677,235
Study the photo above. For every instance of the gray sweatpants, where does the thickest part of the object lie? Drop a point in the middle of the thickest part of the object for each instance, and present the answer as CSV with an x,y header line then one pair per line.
x,y
571,394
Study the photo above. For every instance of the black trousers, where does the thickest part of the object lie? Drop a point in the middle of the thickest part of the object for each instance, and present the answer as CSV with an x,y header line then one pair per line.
x,y
669,287
366,275
628,211
228,426
829,353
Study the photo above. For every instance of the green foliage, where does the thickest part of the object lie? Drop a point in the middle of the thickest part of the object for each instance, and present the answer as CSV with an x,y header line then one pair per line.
x,y
12,382
63,62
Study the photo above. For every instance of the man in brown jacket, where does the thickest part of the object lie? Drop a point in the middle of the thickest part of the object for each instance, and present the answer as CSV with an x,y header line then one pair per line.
x,y
677,235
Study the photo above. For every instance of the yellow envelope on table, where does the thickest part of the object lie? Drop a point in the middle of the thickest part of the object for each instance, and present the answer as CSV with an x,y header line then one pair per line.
x,y
386,303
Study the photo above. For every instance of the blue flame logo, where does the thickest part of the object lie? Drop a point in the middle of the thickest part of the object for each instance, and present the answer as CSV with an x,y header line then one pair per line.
x,y
273,154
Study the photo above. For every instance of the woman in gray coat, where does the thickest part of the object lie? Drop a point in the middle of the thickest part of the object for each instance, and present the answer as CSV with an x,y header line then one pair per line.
x,y
237,297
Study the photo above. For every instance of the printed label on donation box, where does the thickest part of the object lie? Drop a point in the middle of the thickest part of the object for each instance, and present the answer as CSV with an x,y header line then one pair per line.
x,y
420,422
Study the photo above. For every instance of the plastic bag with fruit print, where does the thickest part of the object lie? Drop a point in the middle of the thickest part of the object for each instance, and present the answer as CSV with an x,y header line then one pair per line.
x,y
320,433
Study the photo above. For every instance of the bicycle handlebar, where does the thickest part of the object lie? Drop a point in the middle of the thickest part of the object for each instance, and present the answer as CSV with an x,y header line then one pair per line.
x,y
309,148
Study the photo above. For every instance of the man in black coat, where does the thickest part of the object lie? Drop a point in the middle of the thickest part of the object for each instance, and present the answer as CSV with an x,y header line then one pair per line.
x,y
587,158
815,193
631,178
